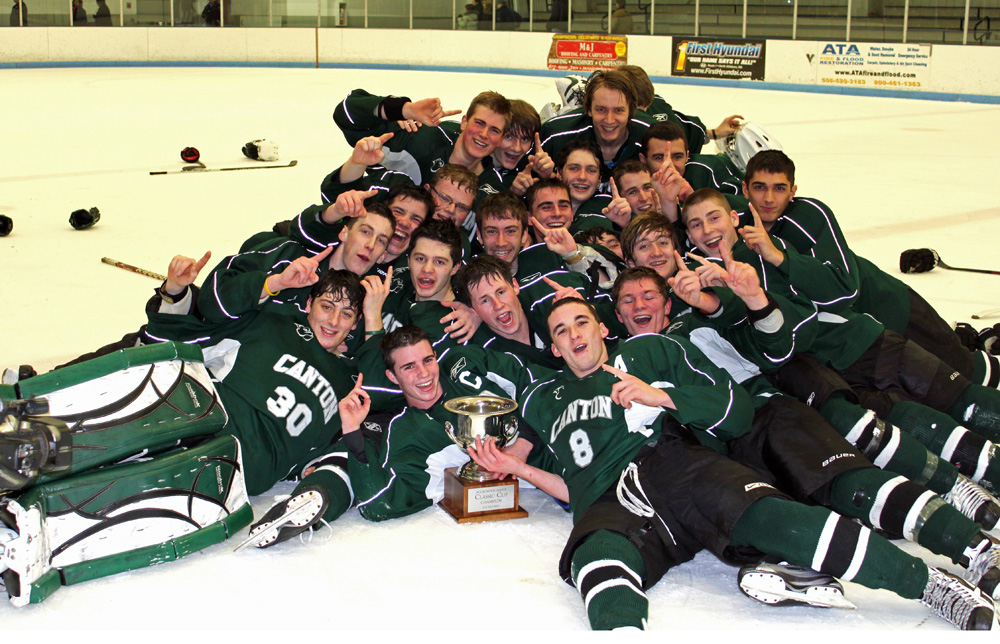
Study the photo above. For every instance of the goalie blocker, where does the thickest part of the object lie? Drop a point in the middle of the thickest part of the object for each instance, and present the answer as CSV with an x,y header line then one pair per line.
x,y
79,517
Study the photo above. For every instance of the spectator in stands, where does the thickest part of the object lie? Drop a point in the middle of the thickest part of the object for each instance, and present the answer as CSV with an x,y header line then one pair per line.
x,y
79,13
103,16
507,18
19,14
559,18
621,19
470,19
212,13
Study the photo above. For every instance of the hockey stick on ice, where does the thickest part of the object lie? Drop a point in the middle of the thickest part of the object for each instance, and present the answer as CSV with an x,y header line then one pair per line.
x,y
988,313
969,270
134,269
193,168
922,260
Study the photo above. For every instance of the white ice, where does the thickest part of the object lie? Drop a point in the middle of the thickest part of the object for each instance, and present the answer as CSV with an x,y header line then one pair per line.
x,y
898,173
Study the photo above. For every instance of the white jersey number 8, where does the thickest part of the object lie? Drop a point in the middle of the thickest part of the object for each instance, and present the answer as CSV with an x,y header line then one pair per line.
x,y
579,443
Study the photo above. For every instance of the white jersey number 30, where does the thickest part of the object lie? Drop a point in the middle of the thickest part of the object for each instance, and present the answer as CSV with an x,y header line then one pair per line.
x,y
297,417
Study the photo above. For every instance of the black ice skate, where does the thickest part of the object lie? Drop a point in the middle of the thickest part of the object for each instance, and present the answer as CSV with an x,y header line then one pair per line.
x,y
958,602
786,585
286,519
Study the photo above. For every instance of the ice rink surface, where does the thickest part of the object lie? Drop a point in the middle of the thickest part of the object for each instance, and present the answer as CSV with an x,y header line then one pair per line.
x,y
898,174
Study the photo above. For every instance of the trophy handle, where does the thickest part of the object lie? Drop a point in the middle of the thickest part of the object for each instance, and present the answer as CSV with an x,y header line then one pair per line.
x,y
510,428
450,430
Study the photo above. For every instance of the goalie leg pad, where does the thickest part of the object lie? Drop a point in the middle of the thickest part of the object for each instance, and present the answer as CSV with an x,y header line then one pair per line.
x,y
134,401
124,517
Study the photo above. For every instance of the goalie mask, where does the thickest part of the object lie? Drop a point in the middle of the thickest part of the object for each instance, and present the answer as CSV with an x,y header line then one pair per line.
x,y
261,150
746,142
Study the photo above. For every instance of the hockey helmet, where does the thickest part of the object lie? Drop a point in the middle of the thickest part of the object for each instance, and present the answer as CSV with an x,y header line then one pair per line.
x,y
745,142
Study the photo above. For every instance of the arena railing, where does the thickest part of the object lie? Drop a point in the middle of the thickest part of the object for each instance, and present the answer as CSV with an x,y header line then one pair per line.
x,y
973,22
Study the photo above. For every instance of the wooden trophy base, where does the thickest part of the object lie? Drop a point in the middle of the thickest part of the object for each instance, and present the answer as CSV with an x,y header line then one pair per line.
x,y
475,501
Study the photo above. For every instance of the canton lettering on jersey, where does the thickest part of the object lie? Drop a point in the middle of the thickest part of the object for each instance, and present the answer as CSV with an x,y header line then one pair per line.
x,y
599,407
488,189
312,379
436,165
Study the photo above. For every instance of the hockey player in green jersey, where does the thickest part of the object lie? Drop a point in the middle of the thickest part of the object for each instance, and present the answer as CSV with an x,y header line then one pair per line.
x,y
646,497
268,392
675,174
551,213
504,227
275,373
811,228
548,201
401,471
513,313
452,189
253,276
344,192
666,143
900,382
608,116
434,257
660,111
502,231
435,143
789,442
391,462
578,164
513,168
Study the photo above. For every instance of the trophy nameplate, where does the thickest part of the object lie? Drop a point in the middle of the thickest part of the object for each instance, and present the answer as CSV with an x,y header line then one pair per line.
x,y
475,501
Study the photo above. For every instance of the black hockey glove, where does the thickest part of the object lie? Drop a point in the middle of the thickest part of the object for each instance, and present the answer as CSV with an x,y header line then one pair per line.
x,y
919,260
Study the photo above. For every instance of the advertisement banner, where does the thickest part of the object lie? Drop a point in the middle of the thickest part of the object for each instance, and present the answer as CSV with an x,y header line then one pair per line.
x,y
729,58
586,53
873,65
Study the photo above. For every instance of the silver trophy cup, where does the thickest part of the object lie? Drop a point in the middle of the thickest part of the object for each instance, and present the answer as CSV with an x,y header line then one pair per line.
x,y
480,416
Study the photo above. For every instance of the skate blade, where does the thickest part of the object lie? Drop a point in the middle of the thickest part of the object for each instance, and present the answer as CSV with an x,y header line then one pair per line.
x,y
299,516
770,589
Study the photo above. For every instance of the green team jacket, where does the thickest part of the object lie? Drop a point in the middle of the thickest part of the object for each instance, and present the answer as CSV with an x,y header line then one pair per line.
x,y
418,154
560,130
819,296
594,439
732,342
811,227
694,129
714,171
240,278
